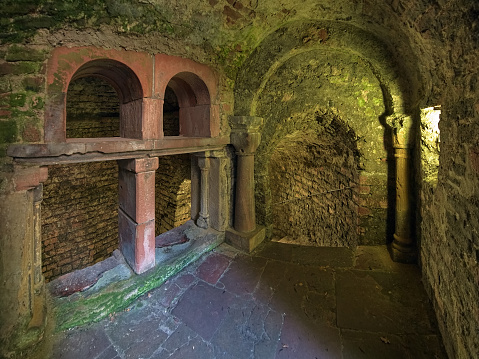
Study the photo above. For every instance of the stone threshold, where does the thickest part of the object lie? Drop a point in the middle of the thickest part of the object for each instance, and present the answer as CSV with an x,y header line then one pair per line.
x,y
115,286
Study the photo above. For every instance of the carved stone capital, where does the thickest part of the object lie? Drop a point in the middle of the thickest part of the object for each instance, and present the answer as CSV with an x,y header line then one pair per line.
x,y
245,135
402,126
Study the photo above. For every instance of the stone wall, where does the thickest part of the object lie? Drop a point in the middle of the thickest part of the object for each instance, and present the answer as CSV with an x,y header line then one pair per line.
x,y
79,216
173,192
316,91
448,220
314,183
171,115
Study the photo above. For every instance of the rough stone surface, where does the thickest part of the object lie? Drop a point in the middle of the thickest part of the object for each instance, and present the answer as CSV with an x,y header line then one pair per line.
x,y
93,109
423,54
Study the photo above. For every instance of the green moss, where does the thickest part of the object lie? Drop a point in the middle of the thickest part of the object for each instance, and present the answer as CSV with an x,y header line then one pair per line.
x,y
20,53
119,295
8,131
17,99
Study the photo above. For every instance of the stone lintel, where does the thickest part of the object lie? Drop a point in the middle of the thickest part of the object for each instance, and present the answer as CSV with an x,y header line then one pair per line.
x,y
110,148
246,241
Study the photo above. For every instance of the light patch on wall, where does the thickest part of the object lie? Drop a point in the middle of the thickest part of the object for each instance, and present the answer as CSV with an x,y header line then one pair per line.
x,y
430,140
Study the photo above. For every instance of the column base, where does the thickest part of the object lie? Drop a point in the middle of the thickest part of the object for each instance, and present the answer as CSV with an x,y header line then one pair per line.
x,y
402,253
245,241
202,222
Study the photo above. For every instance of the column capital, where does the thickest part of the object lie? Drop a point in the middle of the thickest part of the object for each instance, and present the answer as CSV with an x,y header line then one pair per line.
x,y
138,165
402,126
245,135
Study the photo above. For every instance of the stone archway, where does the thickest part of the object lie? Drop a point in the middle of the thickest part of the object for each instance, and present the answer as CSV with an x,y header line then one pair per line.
x,y
396,93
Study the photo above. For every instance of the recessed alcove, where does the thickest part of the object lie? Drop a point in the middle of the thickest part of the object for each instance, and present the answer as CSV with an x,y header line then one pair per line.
x,y
93,109
79,216
314,179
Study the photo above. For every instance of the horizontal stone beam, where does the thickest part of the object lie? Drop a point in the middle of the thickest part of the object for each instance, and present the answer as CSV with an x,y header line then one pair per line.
x,y
106,149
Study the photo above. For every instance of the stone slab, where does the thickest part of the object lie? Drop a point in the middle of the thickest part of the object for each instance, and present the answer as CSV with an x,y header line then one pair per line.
x,y
378,302
213,268
203,308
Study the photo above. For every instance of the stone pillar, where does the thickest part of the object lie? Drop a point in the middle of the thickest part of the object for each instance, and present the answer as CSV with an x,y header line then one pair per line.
x,y
38,285
245,137
219,190
136,215
204,165
22,290
402,248
195,188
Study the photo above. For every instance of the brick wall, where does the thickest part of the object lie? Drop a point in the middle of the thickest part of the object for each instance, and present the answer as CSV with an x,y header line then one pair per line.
x,y
79,216
171,116
173,192
92,109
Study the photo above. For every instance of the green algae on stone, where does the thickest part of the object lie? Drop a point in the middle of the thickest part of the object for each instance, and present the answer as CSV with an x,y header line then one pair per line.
x,y
83,308
8,131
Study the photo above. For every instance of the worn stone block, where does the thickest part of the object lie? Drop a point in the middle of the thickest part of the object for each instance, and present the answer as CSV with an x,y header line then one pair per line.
x,y
245,241
137,189
137,242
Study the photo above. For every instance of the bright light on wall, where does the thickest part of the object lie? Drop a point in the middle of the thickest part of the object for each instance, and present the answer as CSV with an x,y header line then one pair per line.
x,y
430,140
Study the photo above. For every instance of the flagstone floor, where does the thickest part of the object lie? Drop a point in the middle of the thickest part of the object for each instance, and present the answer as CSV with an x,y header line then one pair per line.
x,y
282,301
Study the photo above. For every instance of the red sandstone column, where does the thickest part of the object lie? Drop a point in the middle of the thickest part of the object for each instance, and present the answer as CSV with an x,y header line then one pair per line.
x,y
136,215
402,248
245,137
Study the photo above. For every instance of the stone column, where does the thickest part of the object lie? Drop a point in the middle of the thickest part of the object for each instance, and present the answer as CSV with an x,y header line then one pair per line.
x,y
219,190
403,248
22,290
38,285
136,215
204,165
245,137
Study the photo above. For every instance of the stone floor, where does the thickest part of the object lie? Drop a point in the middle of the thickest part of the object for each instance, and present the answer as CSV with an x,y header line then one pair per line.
x,y
283,301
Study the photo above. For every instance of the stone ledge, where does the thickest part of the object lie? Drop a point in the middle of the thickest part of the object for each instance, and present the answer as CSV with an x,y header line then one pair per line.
x,y
95,304
110,148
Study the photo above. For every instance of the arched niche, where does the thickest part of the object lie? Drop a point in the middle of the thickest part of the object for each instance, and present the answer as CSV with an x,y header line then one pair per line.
x,y
127,72
128,88
194,104
314,41
196,88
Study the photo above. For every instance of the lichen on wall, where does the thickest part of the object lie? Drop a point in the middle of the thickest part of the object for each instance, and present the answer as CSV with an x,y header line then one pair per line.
x,y
93,109
308,85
